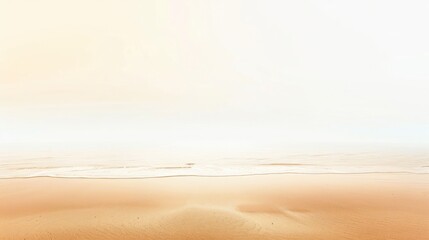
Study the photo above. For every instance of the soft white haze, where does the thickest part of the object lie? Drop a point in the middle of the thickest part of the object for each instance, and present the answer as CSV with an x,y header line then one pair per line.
x,y
213,76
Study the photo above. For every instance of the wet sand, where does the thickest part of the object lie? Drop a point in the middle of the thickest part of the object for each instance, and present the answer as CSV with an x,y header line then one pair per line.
x,y
288,206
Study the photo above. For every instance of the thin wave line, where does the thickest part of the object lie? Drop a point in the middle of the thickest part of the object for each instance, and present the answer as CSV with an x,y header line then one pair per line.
x,y
212,176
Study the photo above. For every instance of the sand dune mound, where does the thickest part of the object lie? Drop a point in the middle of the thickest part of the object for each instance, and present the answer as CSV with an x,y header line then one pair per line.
x,y
208,223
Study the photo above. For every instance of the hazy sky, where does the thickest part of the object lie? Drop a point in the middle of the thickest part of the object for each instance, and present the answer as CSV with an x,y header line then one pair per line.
x,y
215,75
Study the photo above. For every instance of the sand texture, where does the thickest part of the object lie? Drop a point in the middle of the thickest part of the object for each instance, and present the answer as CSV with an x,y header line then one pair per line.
x,y
365,206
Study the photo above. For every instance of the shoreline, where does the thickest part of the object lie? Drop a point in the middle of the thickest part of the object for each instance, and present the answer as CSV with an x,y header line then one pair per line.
x,y
217,175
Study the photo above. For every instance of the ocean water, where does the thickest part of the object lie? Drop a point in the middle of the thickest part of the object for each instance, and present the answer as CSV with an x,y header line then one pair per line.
x,y
139,165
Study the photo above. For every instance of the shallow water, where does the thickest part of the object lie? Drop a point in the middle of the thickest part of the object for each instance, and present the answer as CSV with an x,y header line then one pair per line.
x,y
139,165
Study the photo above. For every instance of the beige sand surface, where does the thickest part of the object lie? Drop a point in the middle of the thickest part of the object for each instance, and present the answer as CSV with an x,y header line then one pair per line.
x,y
366,206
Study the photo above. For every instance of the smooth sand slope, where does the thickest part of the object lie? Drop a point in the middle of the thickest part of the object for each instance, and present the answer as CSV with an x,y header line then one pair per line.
x,y
367,206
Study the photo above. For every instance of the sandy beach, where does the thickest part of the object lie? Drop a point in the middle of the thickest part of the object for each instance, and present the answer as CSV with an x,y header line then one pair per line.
x,y
294,206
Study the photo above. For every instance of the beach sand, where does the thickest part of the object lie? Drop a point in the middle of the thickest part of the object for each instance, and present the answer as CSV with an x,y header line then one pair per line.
x,y
287,206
